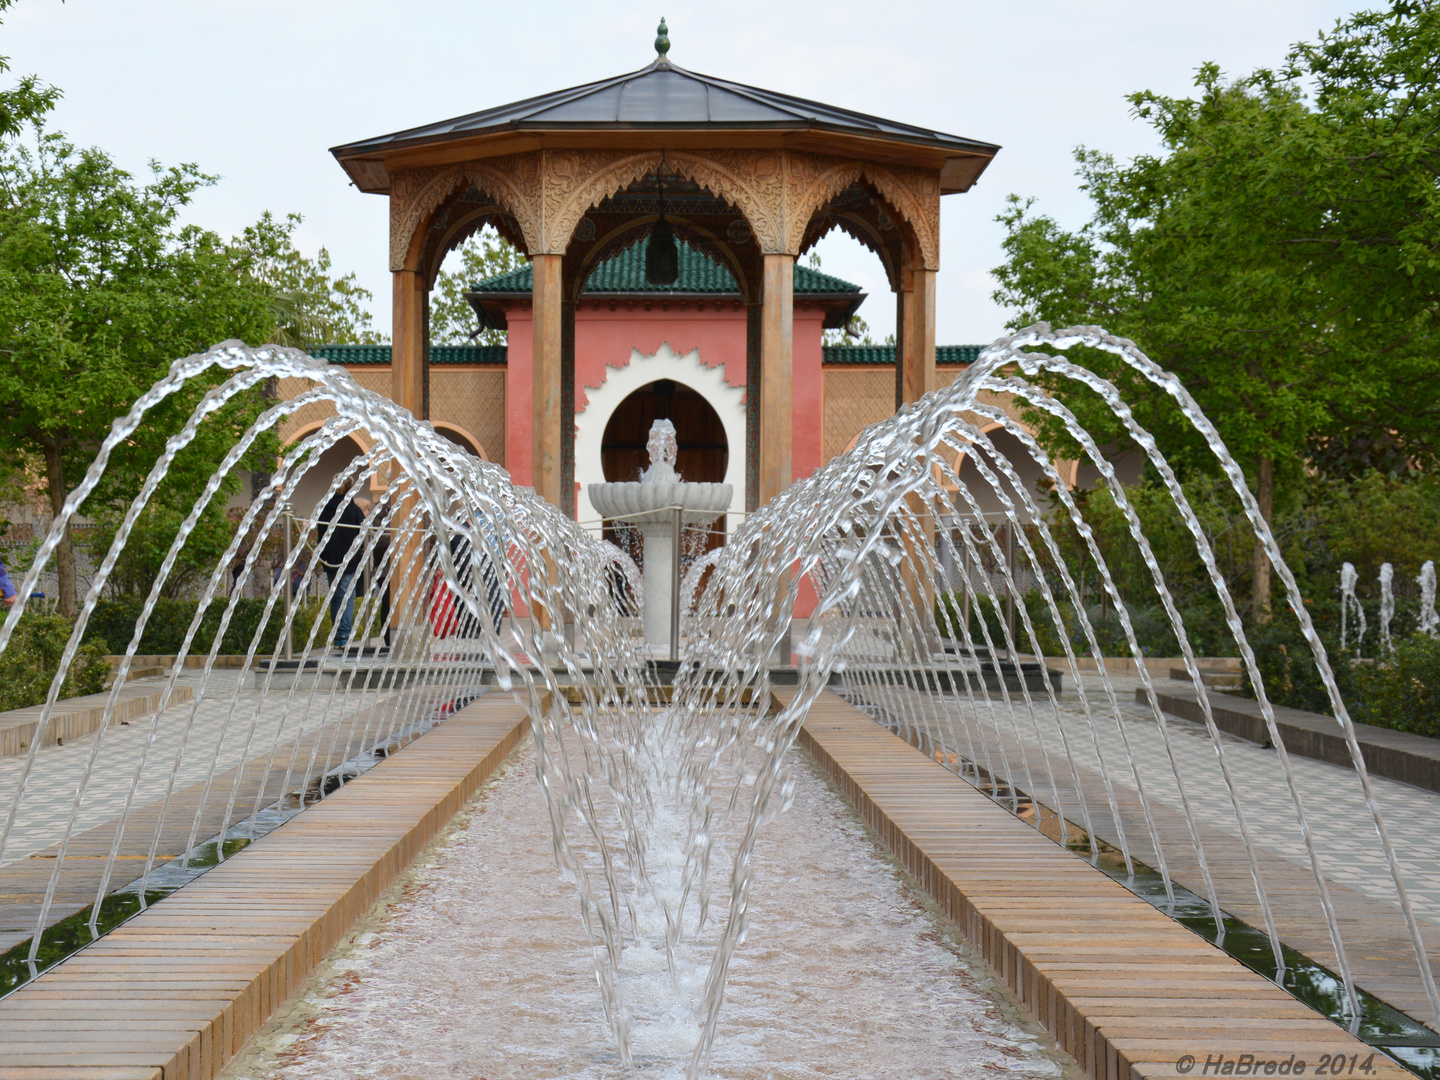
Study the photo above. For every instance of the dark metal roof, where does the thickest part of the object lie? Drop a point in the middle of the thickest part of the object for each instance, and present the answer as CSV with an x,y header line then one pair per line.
x,y
665,96
624,274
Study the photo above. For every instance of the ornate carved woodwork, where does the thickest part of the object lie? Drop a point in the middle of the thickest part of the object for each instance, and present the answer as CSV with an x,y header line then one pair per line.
x,y
540,197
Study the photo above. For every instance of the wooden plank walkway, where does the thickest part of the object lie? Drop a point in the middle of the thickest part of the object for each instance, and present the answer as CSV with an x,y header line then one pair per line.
x,y
74,718
1382,958
174,993
1123,988
23,882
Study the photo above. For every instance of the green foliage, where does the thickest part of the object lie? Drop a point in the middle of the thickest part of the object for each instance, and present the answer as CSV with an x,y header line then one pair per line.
x,y
950,619
30,660
307,305
114,622
1279,255
139,564
452,319
1403,691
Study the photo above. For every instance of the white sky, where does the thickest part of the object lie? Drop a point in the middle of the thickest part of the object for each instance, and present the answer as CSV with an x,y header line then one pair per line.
x,y
257,90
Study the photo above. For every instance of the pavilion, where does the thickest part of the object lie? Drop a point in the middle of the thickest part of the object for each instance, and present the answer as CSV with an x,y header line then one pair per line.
x,y
748,178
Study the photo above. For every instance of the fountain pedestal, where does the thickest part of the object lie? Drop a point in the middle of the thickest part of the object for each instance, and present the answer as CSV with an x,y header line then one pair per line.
x,y
658,504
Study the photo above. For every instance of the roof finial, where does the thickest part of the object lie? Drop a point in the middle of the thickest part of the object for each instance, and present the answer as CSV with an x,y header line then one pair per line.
x,y
662,41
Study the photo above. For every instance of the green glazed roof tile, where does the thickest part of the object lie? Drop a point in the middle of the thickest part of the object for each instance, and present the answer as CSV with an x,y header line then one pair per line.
x,y
625,273
859,355
439,354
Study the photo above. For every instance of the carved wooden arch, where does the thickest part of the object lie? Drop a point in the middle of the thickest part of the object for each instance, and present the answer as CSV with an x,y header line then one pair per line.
x,y
576,181
911,196
891,256
433,249
416,194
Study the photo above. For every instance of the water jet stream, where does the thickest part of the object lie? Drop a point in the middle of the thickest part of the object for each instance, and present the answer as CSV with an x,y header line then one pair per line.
x,y
475,581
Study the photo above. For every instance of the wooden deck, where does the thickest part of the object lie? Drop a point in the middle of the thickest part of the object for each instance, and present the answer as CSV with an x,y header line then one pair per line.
x,y
176,991
1123,988
1382,958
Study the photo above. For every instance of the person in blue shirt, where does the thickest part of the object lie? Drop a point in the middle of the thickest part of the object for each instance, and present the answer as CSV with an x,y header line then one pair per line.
x,y
7,590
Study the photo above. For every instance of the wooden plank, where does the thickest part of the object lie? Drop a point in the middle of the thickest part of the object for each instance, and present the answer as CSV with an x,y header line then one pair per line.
x,y
1122,987
174,993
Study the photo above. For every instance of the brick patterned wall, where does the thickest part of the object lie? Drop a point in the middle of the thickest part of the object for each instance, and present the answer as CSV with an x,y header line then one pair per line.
x,y
854,399
371,378
473,399
469,398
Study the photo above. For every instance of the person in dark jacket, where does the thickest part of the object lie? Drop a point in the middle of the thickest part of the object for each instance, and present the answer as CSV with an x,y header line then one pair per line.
x,y
341,557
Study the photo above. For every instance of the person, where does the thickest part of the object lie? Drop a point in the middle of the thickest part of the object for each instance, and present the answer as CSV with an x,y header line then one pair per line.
x,y
380,576
7,590
341,557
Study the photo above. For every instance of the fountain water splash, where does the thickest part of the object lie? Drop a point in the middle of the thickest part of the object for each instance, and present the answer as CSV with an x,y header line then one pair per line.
x,y
1429,622
638,794
1349,602
1387,608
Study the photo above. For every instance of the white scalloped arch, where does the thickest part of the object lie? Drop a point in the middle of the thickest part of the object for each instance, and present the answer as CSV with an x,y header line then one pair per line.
x,y
620,382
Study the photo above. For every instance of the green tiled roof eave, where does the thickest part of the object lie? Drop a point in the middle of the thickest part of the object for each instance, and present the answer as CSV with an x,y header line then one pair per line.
x,y
624,273
439,354
862,355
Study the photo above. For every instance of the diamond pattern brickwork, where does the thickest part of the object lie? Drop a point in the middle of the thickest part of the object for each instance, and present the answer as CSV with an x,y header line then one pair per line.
x,y
854,399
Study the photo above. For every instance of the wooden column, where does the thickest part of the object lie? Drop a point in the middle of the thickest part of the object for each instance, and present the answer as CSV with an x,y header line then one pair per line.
x,y
407,349
545,377
917,341
566,429
409,638
915,377
752,407
777,349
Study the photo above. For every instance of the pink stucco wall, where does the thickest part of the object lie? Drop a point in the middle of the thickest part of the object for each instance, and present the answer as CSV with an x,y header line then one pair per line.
x,y
604,338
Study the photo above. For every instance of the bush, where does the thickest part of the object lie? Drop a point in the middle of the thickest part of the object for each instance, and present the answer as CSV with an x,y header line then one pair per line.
x,y
32,657
113,621
1403,692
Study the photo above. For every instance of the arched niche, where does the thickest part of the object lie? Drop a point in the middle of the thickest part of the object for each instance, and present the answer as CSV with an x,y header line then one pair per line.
x,y
460,437
727,403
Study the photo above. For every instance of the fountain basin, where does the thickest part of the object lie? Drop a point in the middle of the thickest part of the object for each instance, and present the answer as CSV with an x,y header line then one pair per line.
x,y
653,506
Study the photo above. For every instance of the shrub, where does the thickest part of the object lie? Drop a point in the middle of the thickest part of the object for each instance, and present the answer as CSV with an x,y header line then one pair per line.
x,y
32,657
114,621
1402,692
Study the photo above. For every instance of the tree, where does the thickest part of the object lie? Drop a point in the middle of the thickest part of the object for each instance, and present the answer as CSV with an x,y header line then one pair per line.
x,y
856,330
452,319
1279,255
101,289
27,100
308,306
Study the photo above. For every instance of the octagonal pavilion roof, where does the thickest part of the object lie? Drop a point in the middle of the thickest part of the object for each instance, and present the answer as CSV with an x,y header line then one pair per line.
x,y
666,100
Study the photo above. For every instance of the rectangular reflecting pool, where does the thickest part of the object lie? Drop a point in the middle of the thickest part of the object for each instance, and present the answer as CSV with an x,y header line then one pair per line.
x,y
477,966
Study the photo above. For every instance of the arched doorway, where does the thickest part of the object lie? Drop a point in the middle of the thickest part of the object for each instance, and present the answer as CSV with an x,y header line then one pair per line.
x,y
704,451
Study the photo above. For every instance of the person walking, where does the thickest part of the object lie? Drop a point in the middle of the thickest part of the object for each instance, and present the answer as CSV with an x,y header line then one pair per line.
x,y
7,590
341,557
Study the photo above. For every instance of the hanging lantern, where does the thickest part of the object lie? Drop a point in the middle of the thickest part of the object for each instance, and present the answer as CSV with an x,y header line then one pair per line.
x,y
662,258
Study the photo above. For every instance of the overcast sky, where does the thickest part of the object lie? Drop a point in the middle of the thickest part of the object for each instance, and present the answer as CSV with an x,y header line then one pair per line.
x,y
258,90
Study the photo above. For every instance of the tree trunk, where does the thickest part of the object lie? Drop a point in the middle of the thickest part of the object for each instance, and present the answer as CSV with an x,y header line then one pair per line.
x,y
65,553
1265,496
